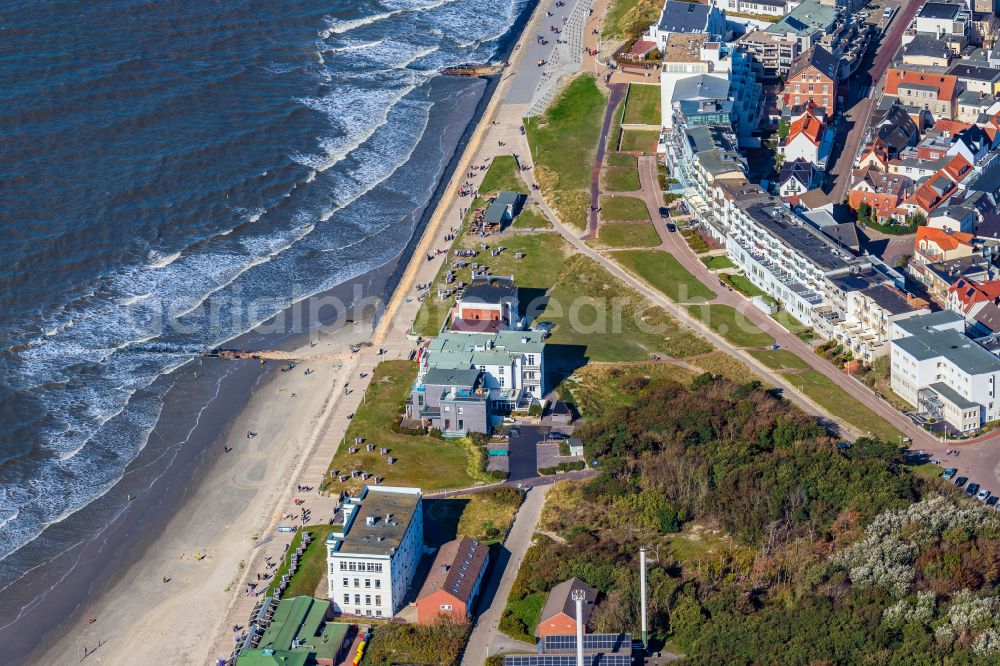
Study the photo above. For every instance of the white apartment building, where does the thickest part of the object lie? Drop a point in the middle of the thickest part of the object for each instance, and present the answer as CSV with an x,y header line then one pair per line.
x,y
942,372
372,561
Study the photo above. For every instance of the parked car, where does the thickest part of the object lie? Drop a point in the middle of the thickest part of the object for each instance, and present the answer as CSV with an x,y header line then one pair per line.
x,y
972,489
949,473
664,213
555,435
960,481
992,500
545,327
671,226
983,495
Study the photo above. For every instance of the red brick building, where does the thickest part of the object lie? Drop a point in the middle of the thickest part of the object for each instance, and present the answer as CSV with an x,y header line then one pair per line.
x,y
813,77
559,613
453,582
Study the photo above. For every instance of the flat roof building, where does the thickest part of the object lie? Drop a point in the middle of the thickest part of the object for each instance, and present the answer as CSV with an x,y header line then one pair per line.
x,y
298,635
372,561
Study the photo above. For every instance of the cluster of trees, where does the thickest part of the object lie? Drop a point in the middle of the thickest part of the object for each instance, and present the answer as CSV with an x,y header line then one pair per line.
x,y
395,643
833,555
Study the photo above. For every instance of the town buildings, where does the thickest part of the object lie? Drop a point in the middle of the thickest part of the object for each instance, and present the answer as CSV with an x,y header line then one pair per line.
x,y
299,633
453,582
687,17
942,372
813,77
372,560
468,381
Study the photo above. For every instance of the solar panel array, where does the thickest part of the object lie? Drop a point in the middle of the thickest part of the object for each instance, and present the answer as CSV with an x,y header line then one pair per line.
x,y
602,642
568,660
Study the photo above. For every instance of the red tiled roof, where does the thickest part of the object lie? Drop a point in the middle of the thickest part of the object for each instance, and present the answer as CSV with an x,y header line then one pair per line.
x,y
809,125
952,127
944,240
957,168
945,83
969,292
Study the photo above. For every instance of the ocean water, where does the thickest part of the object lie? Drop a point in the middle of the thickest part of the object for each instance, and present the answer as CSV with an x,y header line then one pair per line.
x,y
173,173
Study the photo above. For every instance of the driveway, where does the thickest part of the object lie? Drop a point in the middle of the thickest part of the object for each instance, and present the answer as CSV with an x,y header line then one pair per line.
x,y
486,639
523,457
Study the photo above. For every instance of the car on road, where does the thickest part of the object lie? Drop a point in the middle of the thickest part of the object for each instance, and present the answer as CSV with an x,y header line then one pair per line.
x,y
972,489
671,226
949,473
862,15
983,495
960,481
664,213
557,436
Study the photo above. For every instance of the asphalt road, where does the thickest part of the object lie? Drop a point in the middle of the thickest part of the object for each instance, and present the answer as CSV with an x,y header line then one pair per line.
x,y
523,457
858,114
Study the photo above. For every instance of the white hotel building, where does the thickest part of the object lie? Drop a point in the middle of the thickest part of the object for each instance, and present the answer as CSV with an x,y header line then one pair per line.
x,y
372,561
944,373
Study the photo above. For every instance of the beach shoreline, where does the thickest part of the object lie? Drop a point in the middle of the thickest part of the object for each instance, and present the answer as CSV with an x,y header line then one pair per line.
x,y
186,528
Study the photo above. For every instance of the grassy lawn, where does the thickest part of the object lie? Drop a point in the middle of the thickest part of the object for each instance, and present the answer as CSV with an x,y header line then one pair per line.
x,y
502,176
531,218
629,18
732,325
841,404
642,107
621,160
628,234
639,140
312,565
722,364
623,209
718,262
793,325
564,140
599,387
537,271
620,179
779,359
484,516
571,206
665,274
600,318
422,461
742,284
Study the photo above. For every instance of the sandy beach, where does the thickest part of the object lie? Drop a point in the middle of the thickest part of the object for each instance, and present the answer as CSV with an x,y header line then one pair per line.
x,y
217,540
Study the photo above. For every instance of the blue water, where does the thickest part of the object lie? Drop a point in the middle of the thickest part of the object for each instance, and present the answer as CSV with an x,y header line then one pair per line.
x,y
172,173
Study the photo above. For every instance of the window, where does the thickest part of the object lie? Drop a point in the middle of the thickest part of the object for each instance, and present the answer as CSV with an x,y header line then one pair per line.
x,y
531,359
357,582
357,599
461,410
368,582
378,613
447,607
345,582
368,600
347,598
378,599
378,583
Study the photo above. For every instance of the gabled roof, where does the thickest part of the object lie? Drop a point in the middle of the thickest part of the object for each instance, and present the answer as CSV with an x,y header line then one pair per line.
x,y
928,46
958,168
456,568
975,72
683,16
943,84
950,127
817,57
896,129
969,292
800,170
809,126
989,317
944,240
560,600
933,192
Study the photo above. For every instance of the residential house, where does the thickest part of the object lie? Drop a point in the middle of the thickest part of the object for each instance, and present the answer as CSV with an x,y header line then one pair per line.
x,y
806,24
972,106
809,139
946,375
893,132
466,382
976,78
797,178
558,616
954,217
948,22
453,582
881,192
967,297
487,305
503,209
372,559
687,17
929,195
813,76
923,92
764,8
926,50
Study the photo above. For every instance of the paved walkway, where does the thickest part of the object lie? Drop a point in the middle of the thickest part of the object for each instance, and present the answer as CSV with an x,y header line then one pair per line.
x,y
486,635
617,92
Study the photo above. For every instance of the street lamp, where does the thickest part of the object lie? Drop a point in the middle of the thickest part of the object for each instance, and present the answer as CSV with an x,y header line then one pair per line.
x,y
579,596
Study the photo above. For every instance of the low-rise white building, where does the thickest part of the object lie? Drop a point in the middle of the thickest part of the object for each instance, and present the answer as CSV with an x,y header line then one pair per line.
x,y
372,560
942,372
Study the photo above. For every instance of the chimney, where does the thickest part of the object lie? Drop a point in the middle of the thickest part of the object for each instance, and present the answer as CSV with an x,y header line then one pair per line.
x,y
444,568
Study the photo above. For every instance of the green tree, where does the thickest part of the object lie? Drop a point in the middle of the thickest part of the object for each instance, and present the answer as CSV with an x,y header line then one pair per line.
x,y
864,213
